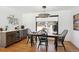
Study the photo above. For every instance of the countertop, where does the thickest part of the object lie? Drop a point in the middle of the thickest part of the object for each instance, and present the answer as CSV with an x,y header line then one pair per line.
x,y
12,30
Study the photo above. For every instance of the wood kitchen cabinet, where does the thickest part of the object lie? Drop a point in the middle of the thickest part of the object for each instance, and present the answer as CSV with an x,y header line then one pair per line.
x,y
9,37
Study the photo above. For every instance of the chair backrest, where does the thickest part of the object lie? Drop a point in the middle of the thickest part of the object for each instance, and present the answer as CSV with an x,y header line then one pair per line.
x,y
29,31
43,33
62,35
24,32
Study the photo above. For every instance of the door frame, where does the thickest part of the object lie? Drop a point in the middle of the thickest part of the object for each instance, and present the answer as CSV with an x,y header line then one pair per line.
x,y
50,16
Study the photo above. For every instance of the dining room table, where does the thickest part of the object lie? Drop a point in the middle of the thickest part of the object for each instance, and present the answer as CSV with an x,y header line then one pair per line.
x,y
35,34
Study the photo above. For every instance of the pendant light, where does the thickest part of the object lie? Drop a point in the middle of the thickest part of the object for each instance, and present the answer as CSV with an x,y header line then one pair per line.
x,y
43,14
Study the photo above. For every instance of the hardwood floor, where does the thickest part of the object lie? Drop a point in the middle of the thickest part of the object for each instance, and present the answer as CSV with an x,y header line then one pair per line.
x,y
22,46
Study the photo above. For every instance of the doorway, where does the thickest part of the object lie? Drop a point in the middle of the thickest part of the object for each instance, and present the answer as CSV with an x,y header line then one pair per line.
x,y
50,23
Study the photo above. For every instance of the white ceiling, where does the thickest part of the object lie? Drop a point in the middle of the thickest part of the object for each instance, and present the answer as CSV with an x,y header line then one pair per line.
x,y
30,9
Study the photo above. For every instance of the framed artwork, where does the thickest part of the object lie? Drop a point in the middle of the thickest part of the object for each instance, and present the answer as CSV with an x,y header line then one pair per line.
x,y
12,20
76,22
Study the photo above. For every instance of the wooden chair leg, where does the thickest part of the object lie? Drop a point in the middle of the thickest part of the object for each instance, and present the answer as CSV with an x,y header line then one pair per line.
x,y
27,40
39,44
46,45
64,46
46,48
36,39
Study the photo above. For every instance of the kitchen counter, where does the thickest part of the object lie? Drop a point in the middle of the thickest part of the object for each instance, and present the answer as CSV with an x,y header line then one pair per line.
x,y
12,30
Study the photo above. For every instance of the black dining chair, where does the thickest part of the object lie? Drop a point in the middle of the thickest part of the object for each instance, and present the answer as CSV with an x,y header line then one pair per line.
x,y
61,38
43,38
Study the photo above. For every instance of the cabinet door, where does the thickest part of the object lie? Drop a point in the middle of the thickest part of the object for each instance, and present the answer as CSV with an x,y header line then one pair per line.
x,y
21,34
17,36
10,38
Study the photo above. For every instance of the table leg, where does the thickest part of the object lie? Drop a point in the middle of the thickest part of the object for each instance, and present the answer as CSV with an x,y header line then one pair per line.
x,y
36,39
31,40
27,39
47,45
56,43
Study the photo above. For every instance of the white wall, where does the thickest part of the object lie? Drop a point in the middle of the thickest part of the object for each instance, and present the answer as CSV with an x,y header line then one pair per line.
x,y
75,33
6,11
66,22
29,21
